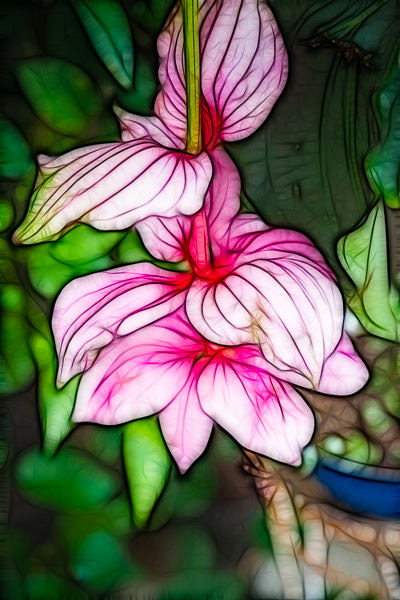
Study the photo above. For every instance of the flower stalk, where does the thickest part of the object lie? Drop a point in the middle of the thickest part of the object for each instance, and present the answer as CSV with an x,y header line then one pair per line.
x,y
192,74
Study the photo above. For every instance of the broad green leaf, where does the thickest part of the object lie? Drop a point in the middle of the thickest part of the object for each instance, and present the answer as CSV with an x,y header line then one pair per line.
x,y
71,480
15,157
147,465
108,28
100,562
84,244
16,365
62,95
383,163
55,405
363,254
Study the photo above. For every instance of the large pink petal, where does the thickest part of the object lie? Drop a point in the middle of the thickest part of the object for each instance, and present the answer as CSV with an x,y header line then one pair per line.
x,y
112,186
244,64
186,427
243,69
280,295
92,310
262,413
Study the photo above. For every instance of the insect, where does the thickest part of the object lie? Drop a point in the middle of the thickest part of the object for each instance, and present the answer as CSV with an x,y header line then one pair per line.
x,y
345,48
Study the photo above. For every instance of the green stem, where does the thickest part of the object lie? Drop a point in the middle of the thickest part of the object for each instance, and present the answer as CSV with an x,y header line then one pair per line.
x,y
192,69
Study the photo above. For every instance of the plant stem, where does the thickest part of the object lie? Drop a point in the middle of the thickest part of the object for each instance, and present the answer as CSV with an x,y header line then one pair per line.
x,y
192,74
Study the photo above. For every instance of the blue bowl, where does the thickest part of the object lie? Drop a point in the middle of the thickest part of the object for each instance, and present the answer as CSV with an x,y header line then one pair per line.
x,y
362,488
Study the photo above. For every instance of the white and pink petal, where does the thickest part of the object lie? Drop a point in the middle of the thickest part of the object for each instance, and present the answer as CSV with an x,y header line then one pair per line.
x,y
262,413
113,186
278,294
93,310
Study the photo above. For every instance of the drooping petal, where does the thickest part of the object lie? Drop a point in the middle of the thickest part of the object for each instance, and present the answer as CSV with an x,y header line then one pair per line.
x,y
186,427
280,295
134,127
344,372
153,369
262,413
92,310
170,238
112,186
243,69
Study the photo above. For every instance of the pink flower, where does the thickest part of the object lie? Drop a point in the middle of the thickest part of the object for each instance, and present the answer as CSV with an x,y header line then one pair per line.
x,y
115,185
168,368
264,311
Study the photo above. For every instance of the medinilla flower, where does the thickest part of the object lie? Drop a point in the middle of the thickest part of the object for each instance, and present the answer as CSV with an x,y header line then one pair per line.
x,y
112,186
170,369
251,295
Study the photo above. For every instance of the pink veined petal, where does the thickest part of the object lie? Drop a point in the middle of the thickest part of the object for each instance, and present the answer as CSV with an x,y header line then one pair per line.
x,y
244,64
112,186
139,374
343,373
170,103
242,228
186,427
170,238
166,237
261,412
134,127
92,310
243,69
281,296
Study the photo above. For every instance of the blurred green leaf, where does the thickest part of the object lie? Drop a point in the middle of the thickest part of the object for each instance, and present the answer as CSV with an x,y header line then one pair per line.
x,y
107,26
150,14
15,157
383,163
141,97
363,254
100,562
74,527
203,583
71,480
6,214
81,251
62,95
55,405
147,465
16,365
189,495
42,585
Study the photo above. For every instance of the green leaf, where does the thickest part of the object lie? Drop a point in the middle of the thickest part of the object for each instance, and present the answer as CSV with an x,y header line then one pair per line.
x,y
43,584
100,562
6,214
141,97
383,163
16,365
363,254
62,95
71,480
15,157
108,28
147,465
81,251
55,405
